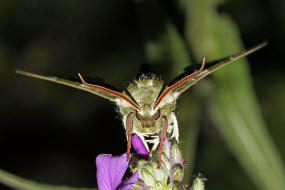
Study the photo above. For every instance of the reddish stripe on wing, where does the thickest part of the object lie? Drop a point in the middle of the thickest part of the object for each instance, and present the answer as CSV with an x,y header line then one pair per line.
x,y
115,93
172,87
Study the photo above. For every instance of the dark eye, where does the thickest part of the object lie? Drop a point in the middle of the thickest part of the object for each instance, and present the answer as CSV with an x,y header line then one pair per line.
x,y
139,116
156,115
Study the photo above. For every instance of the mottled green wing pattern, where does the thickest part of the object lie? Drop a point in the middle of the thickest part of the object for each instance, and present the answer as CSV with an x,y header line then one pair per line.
x,y
215,66
73,84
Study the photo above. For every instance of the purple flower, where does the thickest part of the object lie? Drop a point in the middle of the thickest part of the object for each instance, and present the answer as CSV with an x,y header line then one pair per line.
x,y
139,146
110,171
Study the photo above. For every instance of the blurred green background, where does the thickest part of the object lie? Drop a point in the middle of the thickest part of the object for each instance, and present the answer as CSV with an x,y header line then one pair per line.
x,y
52,133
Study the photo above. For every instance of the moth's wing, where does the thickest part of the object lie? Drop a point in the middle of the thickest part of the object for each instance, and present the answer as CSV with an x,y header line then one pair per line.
x,y
210,68
73,84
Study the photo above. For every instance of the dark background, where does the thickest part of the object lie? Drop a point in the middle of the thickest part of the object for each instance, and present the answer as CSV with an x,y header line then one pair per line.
x,y
52,133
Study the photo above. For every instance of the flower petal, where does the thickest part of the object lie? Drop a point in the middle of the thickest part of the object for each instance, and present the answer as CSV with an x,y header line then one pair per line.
x,y
139,146
166,144
110,170
126,185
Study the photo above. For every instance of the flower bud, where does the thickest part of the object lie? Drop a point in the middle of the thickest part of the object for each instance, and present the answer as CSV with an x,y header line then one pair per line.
x,y
162,186
198,184
166,148
146,175
139,185
176,156
158,185
177,174
165,163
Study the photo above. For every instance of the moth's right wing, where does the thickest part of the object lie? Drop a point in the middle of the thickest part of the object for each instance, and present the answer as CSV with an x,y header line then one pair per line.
x,y
186,80
215,66
73,84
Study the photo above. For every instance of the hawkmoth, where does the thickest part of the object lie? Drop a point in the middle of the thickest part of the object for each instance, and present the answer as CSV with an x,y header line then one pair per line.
x,y
147,107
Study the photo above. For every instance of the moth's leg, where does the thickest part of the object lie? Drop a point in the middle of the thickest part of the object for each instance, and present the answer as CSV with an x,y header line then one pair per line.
x,y
129,129
175,132
163,134
155,143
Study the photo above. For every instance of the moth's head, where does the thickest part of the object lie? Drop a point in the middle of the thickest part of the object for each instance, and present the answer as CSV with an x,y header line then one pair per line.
x,y
154,101
144,92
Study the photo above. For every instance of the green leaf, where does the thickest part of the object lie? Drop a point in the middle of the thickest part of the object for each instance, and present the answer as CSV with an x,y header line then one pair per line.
x,y
233,104
16,182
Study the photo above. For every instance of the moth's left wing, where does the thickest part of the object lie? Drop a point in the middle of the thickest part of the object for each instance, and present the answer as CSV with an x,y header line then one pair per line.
x,y
73,84
215,66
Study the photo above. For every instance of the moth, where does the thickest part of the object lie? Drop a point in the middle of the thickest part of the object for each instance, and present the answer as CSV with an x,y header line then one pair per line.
x,y
147,106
